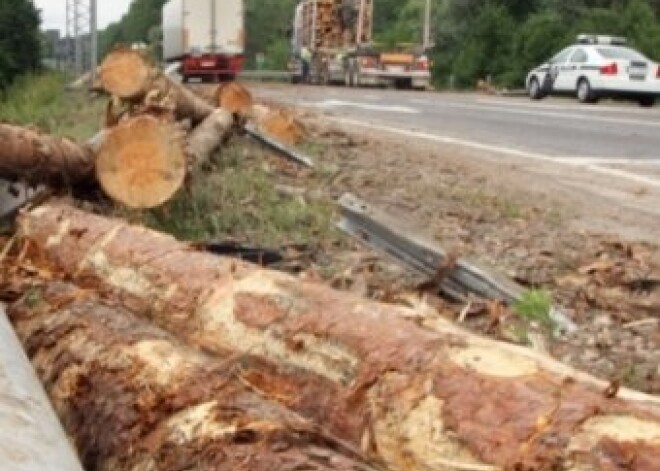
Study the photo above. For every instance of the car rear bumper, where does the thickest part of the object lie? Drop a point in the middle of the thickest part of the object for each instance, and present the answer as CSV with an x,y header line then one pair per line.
x,y
627,87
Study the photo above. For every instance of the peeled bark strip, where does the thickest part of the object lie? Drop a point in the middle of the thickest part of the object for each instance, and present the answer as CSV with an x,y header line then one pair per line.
x,y
126,73
207,138
35,157
426,396
142,162
133,398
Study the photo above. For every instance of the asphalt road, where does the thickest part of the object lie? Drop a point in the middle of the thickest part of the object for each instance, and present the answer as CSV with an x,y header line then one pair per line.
x,y
617,136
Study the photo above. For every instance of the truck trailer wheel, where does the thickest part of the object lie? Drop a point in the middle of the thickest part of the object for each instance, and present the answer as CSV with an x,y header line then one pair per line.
x,y
348,78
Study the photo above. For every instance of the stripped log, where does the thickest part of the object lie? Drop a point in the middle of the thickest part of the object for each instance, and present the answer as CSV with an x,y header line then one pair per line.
x,y
133,398
426,396
209,136
34,157
127,74
142,162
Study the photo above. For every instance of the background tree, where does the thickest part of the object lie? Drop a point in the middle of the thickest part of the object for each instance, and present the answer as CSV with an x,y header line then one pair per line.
x,y
475,39
20,39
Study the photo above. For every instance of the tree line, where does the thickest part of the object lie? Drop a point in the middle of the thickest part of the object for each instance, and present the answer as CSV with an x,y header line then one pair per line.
x,y
20,42
474,39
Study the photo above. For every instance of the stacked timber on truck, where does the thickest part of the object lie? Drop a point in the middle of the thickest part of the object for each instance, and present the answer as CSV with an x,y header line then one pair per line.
x,y
339,34
206,36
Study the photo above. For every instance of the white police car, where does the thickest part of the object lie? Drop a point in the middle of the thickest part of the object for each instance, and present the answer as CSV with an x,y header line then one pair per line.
x,y
596,67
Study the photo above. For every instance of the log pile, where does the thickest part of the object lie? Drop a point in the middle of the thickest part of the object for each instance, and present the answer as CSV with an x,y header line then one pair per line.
x,y
291,370
159,357
157,132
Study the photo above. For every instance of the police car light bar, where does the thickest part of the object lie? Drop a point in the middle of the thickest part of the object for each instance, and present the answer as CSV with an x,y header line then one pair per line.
x,y
604,40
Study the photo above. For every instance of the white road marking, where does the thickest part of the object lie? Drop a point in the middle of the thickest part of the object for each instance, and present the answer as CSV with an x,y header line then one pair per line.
x,y
607,161
573,162
552,114
365,106
575,107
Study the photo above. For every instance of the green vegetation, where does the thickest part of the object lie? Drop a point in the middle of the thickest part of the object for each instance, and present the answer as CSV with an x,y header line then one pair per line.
x,y
535,306
475,39
40,100
503,39
239,200
20,40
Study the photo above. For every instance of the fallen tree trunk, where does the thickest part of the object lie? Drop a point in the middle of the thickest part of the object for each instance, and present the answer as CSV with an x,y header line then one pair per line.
x,y
34,157
426,396
127,74
133,398
209,136
142,162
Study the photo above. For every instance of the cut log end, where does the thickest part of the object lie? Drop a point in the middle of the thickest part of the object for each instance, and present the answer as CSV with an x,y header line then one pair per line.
x,y
283,127
234,98
142,163
125,73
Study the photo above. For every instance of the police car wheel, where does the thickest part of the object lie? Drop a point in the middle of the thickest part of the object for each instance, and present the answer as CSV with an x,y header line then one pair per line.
x,y
584,92
535,92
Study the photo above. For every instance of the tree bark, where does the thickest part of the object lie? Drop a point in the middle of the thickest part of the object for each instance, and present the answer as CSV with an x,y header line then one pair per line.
x,y
127,74
34,157
142,162
207,138
133,398
418,395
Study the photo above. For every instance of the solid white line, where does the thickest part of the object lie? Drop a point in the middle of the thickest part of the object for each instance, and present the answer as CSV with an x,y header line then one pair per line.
x,y
587,109
577,162
605,161
552,114
364,106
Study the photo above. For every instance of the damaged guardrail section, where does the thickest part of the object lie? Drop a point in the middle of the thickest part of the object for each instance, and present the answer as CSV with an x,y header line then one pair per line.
x,y
294,373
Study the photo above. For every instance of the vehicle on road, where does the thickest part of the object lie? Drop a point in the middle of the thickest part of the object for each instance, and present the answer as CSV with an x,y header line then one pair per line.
x,y
338,35
205,36
597,67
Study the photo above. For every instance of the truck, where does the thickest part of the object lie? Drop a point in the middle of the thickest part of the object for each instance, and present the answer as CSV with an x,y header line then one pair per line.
x,y
332,42
207,37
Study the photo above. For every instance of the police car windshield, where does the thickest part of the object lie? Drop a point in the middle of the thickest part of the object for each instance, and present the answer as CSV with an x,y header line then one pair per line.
x,y
620,53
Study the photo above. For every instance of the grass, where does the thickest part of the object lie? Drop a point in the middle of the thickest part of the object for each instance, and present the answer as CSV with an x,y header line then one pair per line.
x,y
535,306
42,101
239,200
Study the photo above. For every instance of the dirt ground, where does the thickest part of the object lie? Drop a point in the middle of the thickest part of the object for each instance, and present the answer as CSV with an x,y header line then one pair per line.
x,y
540,227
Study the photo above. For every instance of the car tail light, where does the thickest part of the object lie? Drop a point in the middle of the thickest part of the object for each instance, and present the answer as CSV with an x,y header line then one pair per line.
x,y
611,69
369,62
422,64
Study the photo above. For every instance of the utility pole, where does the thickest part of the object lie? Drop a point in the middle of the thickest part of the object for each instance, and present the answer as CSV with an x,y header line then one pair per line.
x,y
427,26
94,40
82,35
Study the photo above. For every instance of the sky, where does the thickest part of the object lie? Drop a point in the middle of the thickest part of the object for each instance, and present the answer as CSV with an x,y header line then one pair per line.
x,y
53,12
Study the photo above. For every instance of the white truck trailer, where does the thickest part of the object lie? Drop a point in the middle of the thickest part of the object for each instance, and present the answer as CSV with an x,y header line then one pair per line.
x,y
338,35
206,36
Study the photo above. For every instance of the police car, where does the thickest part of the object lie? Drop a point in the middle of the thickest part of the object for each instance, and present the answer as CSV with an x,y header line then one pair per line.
x,y
597,67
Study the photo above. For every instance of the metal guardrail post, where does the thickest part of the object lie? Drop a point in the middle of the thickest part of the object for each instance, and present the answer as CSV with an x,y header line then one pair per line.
x,y
31,437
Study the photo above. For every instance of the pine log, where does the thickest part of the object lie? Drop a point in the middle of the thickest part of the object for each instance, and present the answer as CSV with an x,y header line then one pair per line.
x,y
35,157
142,162
421,395
234,97
280,125
133,398
209,136
127,74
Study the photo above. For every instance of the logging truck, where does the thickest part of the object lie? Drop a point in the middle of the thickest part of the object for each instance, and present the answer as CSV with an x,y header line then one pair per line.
x,y
206,36
332,43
